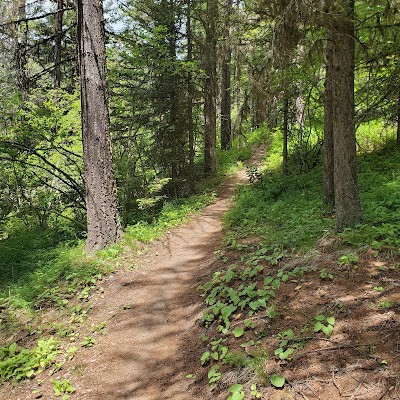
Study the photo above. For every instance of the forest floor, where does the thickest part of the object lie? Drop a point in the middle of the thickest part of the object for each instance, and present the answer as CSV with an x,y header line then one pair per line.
x,y
147,319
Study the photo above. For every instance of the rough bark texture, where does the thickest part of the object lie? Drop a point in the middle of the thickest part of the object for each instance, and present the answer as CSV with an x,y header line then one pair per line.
x,y
58,43
210,89
398,120
21,40
328,149
347,201
226,122
285,136
101,200
189,34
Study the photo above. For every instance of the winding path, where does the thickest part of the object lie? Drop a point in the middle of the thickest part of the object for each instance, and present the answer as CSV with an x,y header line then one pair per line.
x,y
153,339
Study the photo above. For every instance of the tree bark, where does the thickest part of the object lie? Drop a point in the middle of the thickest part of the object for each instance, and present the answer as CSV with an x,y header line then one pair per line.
x,y
285,136
210,89
190,98
226,122
101,201
58,44
328,149
398,120
21,40
347,201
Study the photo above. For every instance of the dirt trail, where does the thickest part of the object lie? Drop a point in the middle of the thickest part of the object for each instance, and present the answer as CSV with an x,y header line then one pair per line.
x,y
151,315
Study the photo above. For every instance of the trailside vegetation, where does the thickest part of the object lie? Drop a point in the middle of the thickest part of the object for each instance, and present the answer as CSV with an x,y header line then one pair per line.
x,y
117,125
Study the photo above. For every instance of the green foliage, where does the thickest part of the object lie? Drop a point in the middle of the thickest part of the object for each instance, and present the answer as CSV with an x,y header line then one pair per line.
x,y
214,375
240,290
325,275
38,270
88,342
18,364
285,350
277,381
41,152
172,214
287,211
62,388
237,392
254,392
379,181
324,324
231,160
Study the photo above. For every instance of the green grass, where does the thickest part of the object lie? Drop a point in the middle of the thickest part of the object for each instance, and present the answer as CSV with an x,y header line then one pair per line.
x,y
379,181
42,266
172,214
32,262
231,160
283,211
287,211
36,266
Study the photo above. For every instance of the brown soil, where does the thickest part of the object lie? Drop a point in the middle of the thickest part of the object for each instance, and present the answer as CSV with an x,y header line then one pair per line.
x,y
153,313
361,360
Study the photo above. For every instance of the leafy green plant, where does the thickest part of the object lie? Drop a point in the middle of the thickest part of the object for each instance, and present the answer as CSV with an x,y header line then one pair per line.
x,y
100,328
238,332
324,324
218,351
214,375
277,380
62,388
348,259
385,304
78,314
285,351
254,392
325,275
88,342
237,392
18,364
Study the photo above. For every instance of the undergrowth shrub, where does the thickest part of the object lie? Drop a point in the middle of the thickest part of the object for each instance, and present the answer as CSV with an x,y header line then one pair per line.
x,y
287,210
18,364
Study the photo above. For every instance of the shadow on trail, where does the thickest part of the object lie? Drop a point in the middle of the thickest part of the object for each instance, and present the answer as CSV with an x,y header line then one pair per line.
x,y
154,341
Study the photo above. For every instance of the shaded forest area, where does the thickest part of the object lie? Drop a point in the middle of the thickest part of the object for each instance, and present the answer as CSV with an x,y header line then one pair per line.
x,y
117,124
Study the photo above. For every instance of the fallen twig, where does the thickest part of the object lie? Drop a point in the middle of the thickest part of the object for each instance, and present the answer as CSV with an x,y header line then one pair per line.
x,y
334,382
358,387
346,346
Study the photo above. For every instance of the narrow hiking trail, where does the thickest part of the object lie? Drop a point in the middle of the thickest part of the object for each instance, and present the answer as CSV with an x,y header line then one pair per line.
x,y
151,314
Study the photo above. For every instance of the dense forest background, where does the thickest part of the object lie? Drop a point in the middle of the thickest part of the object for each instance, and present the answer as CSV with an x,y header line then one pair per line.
x,y
186,78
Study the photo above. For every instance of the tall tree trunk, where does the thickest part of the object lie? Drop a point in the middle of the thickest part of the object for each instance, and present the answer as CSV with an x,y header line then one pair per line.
x,y
328,149
347,201
210,89
285,135
101,200
398,120
226,122
174,123
190,97
21,40
58,43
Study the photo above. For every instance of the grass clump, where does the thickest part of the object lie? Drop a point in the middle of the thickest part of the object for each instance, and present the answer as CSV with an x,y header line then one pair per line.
x,y
286,211
36,269
172,214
